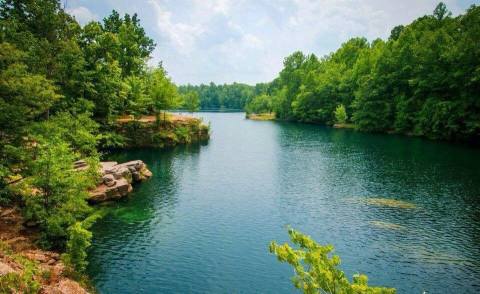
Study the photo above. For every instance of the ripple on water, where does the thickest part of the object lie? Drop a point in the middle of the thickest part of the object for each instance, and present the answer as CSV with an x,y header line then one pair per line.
x,y
202,224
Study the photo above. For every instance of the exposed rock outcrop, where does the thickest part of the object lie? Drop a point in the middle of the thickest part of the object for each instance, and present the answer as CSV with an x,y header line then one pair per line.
x,y
170,131
17,246
117,179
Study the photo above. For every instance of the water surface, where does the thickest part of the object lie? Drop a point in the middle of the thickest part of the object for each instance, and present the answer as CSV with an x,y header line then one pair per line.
x,y
202,224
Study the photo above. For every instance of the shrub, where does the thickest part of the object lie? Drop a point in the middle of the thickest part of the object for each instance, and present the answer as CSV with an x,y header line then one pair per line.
x,y
316,270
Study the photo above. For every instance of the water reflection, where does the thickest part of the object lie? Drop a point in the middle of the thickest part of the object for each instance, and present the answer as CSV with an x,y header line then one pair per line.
x,y
203,222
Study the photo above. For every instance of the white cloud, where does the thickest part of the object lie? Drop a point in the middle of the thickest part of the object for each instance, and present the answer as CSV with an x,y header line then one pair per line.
x,y
182,35
215,6
82,14
246,40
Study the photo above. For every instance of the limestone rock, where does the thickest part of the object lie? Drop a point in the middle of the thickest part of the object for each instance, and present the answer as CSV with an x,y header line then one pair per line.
x,y
109,180
117,179
64,286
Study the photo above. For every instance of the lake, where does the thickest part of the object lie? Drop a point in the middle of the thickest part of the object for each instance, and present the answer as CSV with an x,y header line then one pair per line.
x,y
203,223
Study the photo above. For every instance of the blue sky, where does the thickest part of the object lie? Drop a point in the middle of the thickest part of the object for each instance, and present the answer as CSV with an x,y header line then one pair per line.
x,y
246,40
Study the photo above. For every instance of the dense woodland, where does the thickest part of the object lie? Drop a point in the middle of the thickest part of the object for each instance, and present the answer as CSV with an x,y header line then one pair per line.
x,y
62,86
224,97
424,80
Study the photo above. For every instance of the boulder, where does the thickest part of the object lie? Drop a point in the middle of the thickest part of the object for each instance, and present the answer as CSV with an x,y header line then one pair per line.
x,y
117,178
106,167
109,180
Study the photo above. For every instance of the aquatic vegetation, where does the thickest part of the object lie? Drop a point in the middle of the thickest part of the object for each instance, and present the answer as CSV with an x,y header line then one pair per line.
x,y
129,215
382,202
387,225
387,202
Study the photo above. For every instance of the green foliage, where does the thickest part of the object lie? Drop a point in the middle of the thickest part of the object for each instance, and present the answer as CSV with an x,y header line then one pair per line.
x,y
24,98
183,134
59,196
423,80
224,97
23,282
259,104
79,131
316,268
162,92
79,240
340,114
19,282
191,101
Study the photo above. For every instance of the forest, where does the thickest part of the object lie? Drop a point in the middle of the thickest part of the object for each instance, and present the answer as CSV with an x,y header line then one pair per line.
x,y
62,86
424,81
224,97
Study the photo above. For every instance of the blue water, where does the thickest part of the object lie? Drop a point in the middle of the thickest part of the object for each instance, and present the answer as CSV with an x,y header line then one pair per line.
x,y
203,223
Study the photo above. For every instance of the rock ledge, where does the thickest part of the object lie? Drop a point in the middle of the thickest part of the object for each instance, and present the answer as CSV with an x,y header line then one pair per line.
x,y
116,181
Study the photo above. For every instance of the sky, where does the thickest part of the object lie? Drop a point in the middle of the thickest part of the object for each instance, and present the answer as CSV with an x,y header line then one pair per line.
x,y
225,41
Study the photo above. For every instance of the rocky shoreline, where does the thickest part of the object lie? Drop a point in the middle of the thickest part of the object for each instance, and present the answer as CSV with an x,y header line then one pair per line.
x,y
39,271
23,263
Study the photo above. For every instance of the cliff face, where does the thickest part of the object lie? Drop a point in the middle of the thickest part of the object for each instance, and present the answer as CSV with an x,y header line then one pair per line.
x,y
173,130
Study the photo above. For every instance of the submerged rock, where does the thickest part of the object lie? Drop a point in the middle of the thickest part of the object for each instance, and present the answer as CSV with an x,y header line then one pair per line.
x,y
117,180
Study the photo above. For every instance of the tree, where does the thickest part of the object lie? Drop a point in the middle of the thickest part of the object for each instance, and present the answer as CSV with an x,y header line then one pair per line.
x,y
191,101
340,114
134,46
79,240
260,104
316,269
162,93
58,198
441,11
24,98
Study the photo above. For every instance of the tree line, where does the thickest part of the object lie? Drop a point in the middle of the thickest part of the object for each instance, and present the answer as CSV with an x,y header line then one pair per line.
x,y
423,80
223,97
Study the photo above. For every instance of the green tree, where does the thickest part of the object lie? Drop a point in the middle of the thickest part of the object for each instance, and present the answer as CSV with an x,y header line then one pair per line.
x,y
24,99
79,240
260,104
441,11
162,92
58,198
191,101
316,269
340,114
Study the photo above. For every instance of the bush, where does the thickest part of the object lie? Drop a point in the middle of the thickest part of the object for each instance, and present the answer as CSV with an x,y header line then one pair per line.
x,y
316,270
79,239
58,198
340,114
